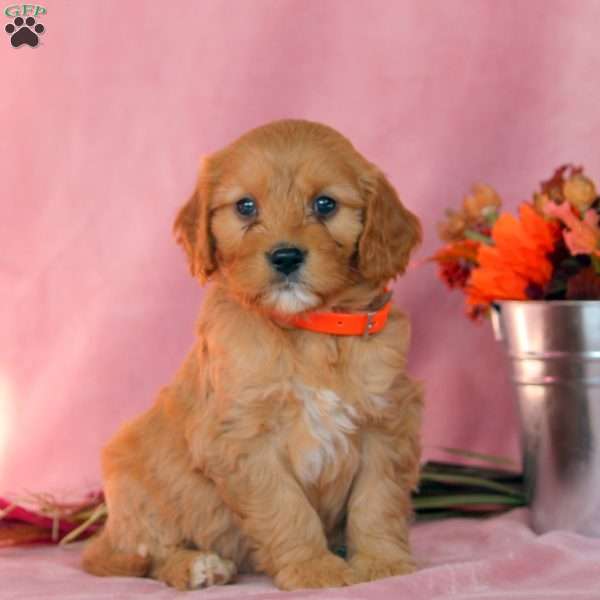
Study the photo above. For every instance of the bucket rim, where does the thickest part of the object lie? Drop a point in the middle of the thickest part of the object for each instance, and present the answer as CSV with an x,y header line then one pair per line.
x,y
498,303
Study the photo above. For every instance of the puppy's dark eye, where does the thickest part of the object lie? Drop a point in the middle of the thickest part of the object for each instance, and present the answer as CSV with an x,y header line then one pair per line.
x,y
246,207
324,206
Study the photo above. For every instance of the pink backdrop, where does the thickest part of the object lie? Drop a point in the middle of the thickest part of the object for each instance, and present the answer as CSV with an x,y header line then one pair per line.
x,y
102,127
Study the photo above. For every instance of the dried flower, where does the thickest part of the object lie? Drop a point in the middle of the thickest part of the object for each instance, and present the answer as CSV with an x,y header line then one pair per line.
x,y
580,191
454,274
568,183
456,261
453,228
540,201
581,236
554,187
478,212
482,202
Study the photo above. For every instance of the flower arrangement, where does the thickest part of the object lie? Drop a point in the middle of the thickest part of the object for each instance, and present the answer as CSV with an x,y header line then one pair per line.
x,y
550,252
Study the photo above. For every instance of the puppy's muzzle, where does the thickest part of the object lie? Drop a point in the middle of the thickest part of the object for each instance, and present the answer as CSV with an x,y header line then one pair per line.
x,y
287,259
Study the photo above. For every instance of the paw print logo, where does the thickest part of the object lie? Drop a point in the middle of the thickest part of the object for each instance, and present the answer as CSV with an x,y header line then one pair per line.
x,y
24,32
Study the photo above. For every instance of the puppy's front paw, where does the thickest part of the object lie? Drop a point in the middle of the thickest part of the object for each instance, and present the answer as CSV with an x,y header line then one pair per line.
x,y
211,569
369,568
187,570
322,572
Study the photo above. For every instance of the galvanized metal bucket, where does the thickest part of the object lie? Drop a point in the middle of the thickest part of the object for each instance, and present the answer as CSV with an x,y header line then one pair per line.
x,y
554,348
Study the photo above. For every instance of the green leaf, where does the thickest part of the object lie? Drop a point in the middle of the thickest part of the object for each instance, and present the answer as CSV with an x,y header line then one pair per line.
x,y
491,216
496,460
595,263
556,286
479,237
454,513
469,480
464,500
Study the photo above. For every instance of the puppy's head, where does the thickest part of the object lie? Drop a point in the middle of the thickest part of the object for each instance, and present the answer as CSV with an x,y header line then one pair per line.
x,y
291,214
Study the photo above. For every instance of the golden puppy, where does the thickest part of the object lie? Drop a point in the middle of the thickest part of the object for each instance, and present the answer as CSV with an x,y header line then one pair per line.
x,y
278,430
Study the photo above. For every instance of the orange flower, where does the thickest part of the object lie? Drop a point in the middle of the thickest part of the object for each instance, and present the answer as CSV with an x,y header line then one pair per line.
x,y
518,259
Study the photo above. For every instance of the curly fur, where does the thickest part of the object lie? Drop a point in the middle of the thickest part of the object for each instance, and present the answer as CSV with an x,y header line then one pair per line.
x,y
270,439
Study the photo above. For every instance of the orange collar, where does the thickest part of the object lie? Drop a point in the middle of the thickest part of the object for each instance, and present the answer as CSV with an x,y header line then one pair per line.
x,y
337,323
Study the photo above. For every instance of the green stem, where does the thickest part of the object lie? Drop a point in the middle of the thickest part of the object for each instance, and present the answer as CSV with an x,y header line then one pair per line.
x,y
470,480
479,237
464,500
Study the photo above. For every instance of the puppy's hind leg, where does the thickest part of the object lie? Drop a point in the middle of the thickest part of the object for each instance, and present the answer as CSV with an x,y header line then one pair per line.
x,y
102,559
186,569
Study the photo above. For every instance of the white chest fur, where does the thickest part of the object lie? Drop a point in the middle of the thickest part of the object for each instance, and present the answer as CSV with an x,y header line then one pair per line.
x,y
329,422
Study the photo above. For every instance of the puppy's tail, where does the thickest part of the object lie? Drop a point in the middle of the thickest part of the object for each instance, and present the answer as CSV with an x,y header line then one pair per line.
x,y
100,558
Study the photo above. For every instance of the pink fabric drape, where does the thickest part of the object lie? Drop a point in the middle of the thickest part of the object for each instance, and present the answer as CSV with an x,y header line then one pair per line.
x,y
500,559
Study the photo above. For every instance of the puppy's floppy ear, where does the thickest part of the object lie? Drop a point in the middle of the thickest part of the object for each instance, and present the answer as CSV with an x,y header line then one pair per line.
x,y
390,231
192,229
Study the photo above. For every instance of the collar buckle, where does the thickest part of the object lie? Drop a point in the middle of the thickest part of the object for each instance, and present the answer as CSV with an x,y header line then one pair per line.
x,y
369,323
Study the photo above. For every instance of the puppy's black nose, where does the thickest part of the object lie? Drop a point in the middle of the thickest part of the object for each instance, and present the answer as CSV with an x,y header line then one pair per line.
x,y
286,260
